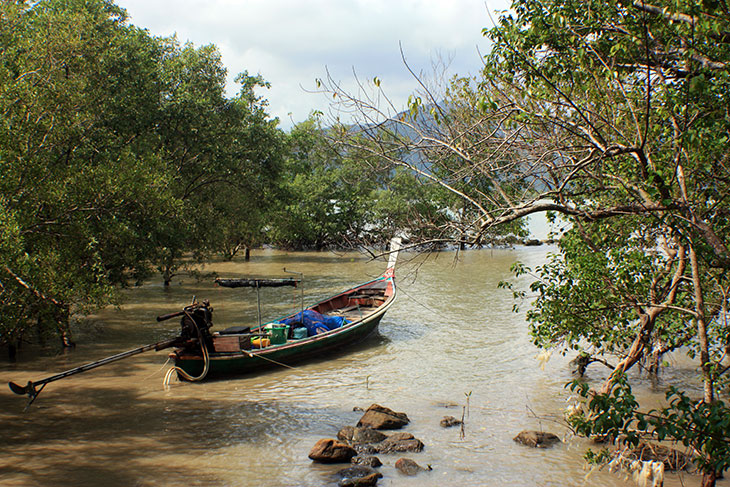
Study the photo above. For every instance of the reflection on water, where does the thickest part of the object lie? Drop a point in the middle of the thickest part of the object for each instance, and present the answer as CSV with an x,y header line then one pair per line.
x,y
451,338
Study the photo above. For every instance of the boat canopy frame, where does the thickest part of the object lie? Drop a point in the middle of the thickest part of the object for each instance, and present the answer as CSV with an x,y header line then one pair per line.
x,y
258,283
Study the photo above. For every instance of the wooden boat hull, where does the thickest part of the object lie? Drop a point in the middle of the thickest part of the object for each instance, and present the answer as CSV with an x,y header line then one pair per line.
x,y
250,361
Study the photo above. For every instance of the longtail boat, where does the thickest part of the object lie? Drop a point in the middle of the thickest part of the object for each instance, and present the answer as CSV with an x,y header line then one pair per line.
x,y
331,324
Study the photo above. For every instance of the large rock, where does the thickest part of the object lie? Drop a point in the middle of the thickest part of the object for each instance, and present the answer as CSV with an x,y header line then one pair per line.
x,y
536,439
360,435
367,435
409,467
381,418
400,442
328,450
358,476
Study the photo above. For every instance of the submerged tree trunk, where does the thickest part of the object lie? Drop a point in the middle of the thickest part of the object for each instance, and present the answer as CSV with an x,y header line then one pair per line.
x,y
63,319
709,478
647,319
654,362
66,341
167,276
637,350
40,332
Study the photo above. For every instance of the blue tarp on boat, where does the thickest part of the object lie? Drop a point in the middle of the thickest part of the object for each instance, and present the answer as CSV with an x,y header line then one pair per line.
x,y
314,322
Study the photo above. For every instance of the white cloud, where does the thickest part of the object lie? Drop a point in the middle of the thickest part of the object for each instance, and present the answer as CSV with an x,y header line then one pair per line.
x,y
292,43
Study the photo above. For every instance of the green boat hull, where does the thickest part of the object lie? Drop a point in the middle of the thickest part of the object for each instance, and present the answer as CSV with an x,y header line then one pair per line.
x,y
227,364
221,364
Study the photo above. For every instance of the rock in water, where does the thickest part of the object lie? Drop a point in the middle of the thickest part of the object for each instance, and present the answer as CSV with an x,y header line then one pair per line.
x,y
367,435
400,442
450,421
368,481
360,436
536,439
328,450
409,467
365,449
381,418
358,476
367,460
345,434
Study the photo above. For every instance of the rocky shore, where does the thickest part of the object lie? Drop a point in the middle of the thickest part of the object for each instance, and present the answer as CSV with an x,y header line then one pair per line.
x,y
359,446
362,444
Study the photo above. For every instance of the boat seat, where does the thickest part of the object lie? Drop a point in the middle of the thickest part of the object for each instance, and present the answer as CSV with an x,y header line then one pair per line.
x,y
342,311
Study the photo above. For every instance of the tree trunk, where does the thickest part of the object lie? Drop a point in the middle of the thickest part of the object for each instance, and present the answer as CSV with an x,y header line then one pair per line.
x,y
40,331
647,319
62,316
705,363
247,255
167,276
66,341
709,479
654,360
660,348
637,350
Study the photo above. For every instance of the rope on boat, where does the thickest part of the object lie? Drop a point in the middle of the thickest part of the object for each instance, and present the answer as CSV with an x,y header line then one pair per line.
x,y
400,290
159,370
251,355
206,361
168,377
206,364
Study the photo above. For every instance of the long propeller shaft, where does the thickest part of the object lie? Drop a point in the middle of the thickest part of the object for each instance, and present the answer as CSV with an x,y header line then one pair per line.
x,y
30,388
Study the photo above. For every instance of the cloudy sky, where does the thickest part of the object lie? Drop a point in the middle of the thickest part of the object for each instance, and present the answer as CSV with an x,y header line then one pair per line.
x,y
291,43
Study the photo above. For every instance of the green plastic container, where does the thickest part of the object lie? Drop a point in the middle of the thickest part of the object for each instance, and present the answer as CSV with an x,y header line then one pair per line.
x,y
278,333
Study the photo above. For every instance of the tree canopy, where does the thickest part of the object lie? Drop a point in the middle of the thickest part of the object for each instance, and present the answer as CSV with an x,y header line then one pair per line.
x,y
120,152
341,197
122,155
613,115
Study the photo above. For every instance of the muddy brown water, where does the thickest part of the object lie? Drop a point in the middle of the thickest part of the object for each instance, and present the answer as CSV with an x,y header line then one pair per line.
x,y
450,341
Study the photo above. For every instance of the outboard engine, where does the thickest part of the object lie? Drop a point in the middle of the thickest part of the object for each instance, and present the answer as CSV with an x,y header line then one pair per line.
x,y
196,321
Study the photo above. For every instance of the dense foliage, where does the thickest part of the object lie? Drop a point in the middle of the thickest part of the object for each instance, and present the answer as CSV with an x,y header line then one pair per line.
x,y
77,191
119,152
629,101
342,197
614,117
123,156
